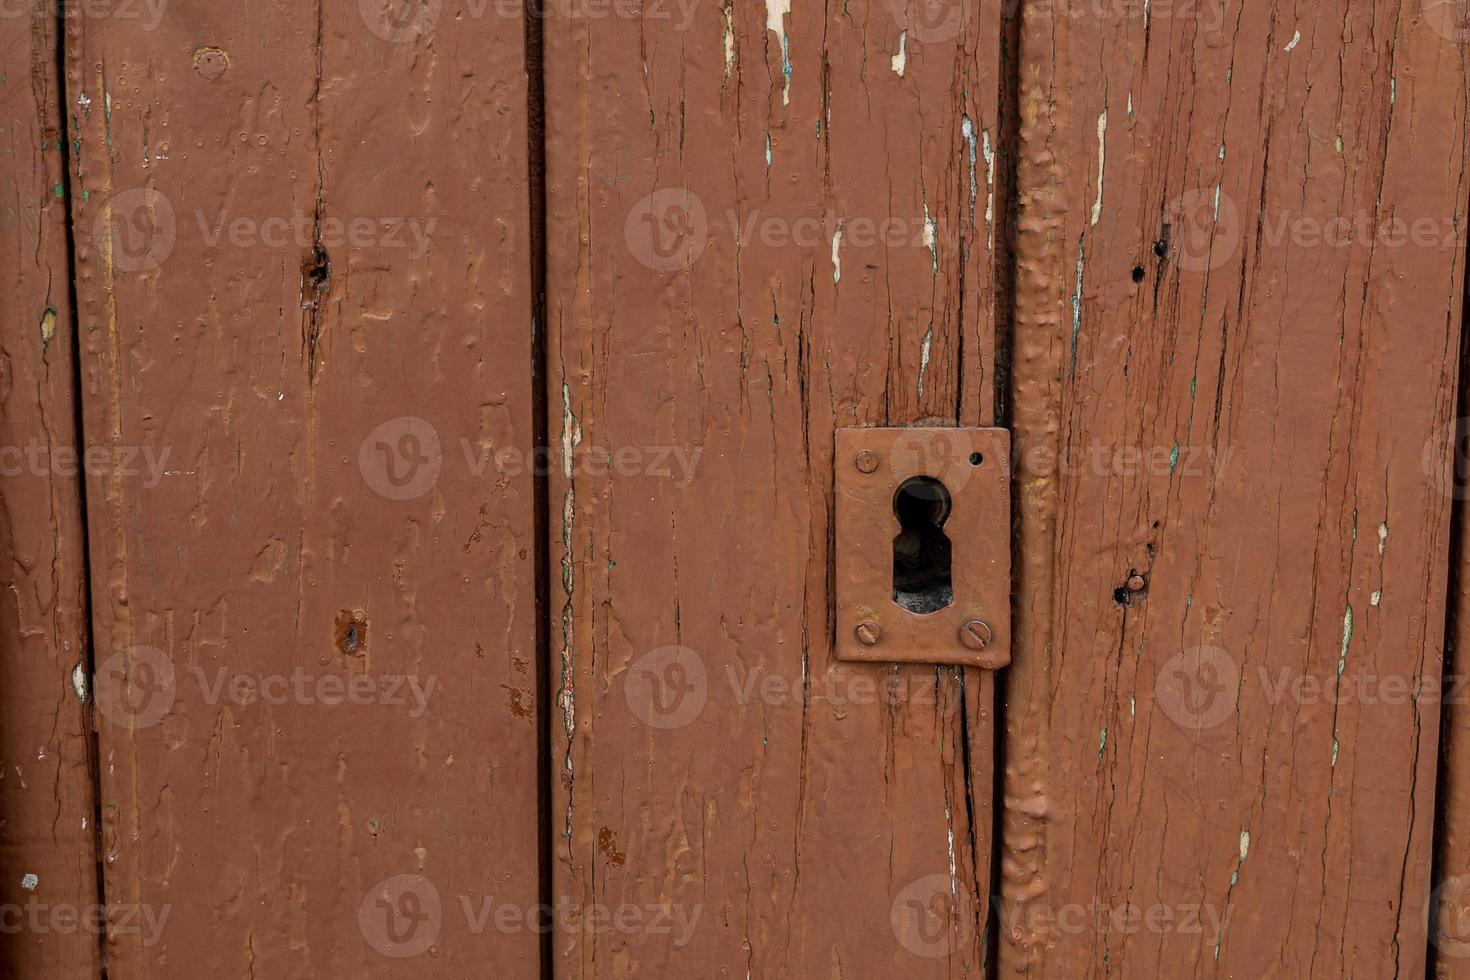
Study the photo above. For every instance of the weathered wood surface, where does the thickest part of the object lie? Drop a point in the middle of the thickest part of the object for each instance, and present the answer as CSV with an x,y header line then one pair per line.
x,y
302,275
1223,772
764,224
48,855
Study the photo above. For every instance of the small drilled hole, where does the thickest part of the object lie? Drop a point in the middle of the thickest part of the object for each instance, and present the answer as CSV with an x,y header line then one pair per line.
x,y
1138,273
976,459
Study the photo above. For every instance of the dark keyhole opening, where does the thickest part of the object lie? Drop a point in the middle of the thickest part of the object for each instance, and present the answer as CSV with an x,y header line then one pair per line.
x,y
921,551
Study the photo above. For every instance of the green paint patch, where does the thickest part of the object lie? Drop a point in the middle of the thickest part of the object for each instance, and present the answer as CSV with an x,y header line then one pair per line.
x,y
60,191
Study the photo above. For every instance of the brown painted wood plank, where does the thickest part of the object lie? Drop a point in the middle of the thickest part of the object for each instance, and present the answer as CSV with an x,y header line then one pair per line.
x,y
48,852
764,224
303,277
1221,772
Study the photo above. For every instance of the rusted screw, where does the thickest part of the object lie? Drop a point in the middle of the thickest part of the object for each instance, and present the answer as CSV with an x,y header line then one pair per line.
x,y
867,461
1136,582
869,633
976,634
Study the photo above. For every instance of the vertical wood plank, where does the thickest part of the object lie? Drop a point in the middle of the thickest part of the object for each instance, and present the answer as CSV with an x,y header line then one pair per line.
x,y
1242,265
303,277
48,853
766,222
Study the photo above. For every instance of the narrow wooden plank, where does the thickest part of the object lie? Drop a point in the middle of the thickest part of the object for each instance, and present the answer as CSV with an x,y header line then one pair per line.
x,y
48,852
306,281
1242,267
766,222
1449,902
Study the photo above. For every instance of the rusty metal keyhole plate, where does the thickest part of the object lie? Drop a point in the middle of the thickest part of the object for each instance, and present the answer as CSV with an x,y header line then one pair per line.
x,y
973,466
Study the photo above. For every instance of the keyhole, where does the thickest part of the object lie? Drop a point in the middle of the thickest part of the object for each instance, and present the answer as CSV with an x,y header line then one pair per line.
x,y
921,550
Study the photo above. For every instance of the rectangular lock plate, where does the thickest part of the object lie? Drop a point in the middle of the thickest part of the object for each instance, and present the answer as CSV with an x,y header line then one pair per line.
x,y
924,546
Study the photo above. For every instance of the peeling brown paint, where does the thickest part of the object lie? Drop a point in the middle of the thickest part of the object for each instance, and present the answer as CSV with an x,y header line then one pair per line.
x,y
48,806
313,371
1188,312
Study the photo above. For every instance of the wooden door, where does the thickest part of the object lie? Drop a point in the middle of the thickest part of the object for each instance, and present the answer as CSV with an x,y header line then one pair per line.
x,y
418,481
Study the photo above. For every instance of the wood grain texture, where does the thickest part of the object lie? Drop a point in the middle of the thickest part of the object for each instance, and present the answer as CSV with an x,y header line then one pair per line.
x,y
48,852
764,224
1241,277
303,277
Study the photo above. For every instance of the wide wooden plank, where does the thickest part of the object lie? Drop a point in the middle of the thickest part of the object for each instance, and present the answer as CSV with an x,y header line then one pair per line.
x,y
48,853
1241,278
766,222
303,276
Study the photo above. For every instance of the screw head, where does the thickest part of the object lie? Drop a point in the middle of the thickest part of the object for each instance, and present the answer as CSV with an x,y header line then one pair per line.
x,y
867,461
1136,582
869,633
976,634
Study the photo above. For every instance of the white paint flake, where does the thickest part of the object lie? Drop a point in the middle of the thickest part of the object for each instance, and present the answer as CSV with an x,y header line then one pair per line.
x,y
1382,537
29,882
776,11
901,60
929,240
837,253
571,431
924,351
1295,40
967,129
79,683
989,152
729,41
1245,843
1102,151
